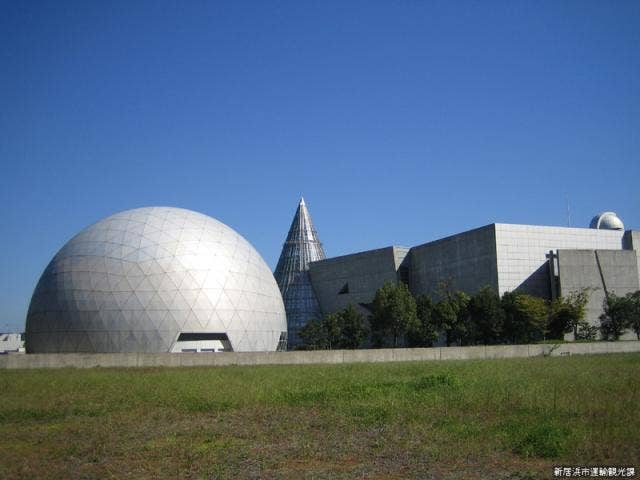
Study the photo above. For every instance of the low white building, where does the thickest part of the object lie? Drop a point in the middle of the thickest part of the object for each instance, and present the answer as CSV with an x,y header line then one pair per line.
x,y
11,342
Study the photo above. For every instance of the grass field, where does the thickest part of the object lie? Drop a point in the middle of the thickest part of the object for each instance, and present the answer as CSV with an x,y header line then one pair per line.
x,y
512,418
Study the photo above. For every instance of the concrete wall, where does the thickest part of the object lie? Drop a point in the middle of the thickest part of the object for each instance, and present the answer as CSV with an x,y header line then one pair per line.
x,y
364,273
613,271
631,240
78,360
466,261
522,253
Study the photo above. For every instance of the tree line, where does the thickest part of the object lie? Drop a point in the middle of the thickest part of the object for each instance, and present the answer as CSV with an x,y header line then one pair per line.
x,y
398,319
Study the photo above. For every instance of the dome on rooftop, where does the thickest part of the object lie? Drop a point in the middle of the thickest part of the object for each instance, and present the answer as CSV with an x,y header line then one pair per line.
x,y
607,221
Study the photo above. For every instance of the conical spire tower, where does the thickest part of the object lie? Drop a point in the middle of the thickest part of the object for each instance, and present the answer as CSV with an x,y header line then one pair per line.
x,y
301,247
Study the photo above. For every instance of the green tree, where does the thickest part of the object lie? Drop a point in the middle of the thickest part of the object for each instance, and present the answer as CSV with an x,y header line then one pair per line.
x,y
486,317
314,335
566,315
619,314
444,318
586,331
634,322
394,314
352,328
459,334
425,331
332,328
451,315
342,329
526,317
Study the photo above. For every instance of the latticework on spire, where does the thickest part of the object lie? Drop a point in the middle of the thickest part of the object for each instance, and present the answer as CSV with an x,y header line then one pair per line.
x,y
300,248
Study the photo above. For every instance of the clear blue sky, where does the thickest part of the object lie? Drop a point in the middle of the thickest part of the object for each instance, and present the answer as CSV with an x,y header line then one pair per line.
x,y
399,121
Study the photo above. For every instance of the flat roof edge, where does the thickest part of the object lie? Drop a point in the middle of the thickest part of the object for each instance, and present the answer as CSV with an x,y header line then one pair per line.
x,y
364,252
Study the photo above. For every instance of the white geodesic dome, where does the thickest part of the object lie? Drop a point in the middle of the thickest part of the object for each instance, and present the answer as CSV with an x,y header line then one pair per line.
x,y
152,280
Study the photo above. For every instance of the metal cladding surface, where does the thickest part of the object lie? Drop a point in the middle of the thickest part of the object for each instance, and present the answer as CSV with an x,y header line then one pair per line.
x,y
136,280
301,247
607,221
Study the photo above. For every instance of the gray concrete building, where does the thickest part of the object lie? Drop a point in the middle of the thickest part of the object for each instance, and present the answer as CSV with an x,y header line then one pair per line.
x,y
354,279
466,261
11,343
538,260
599,271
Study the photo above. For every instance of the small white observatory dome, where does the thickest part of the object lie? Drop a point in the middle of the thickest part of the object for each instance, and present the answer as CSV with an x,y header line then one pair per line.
x,y
607,221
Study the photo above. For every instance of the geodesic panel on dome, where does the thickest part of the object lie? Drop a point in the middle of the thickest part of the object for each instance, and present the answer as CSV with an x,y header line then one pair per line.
x,y
136,280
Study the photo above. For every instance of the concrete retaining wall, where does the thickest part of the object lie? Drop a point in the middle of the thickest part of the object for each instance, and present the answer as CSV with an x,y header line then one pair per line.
x,y
79,360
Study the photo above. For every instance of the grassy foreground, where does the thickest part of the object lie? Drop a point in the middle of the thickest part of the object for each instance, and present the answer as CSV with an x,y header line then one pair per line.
x,y
512,418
